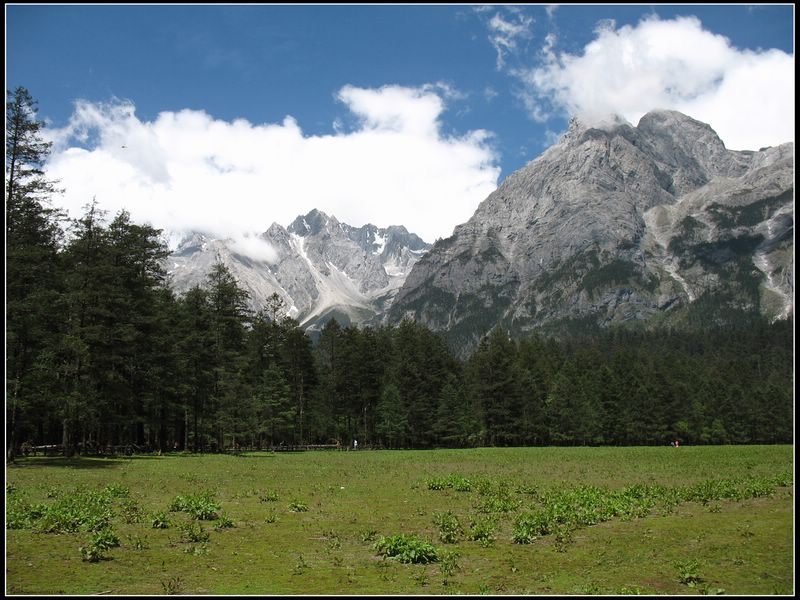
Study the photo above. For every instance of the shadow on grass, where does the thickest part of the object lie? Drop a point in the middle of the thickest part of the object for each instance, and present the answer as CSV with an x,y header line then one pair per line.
x,y
101,462
264,454
76,462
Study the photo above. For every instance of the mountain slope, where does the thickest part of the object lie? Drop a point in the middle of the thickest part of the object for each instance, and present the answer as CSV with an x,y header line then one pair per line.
x,y
613,225
318,266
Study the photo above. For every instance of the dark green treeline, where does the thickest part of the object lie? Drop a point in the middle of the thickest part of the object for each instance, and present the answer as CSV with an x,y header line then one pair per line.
x,y
100,352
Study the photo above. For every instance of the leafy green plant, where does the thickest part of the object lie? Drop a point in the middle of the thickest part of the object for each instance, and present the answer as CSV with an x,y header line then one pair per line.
x,y
482,530
178,504
193,532
437,483
159,520
272,517
224,522
19,514
498,504
91,553
199,550
711,591
688,572
268,497
449,527
115,490
172,586
298,506
530,490
457,482
563,538
448,562
80,510
200,506
129,511
105,539
530,527
102,540
406,549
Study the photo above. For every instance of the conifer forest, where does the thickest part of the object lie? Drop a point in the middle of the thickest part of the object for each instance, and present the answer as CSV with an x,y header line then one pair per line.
x,y
100,353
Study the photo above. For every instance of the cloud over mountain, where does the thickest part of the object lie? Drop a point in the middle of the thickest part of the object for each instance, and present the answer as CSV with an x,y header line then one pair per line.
x,y
747,96
185,170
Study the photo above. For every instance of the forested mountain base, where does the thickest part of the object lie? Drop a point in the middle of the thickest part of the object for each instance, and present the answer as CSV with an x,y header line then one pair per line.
x,y
100,353
121,360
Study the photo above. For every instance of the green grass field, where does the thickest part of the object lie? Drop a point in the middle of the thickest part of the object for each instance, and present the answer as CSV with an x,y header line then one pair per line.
x,y
655,520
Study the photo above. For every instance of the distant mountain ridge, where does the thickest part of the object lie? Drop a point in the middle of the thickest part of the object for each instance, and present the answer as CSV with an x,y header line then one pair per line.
x,y
322,267
612,225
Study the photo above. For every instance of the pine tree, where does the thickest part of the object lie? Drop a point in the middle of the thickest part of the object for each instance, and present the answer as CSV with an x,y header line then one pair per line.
x,y
298,361
328,352
229,317
392,425
274,405
496,386
33,276
196,362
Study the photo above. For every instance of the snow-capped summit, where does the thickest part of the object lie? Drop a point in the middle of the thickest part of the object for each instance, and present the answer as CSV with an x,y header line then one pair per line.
x,y
318,266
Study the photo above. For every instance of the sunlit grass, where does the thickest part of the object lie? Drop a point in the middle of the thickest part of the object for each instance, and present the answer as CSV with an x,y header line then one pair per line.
x,y
588,520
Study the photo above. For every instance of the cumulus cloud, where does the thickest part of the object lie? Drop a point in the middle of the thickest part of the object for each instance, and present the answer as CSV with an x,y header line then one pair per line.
x,y
746,96
187,171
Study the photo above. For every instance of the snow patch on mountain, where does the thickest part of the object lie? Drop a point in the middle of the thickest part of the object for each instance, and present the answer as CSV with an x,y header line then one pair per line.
x,y
316,265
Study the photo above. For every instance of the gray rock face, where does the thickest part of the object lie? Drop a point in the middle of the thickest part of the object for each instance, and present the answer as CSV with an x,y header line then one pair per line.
x,y
320,266
613,225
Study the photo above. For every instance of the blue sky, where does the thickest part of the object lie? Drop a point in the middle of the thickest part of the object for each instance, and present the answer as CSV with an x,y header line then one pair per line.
x,y
471,92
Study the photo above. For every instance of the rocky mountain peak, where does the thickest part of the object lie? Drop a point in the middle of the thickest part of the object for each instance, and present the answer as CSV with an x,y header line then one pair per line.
x,y
312,223
614,223
322,266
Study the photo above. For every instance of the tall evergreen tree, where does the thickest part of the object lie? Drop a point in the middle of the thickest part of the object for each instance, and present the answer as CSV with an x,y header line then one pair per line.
x,y
495,382
332,378
229,316
33,276
196,363
392,423
298,361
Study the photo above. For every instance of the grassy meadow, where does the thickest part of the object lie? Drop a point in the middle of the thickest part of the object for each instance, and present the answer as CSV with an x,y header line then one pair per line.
x,y
654,520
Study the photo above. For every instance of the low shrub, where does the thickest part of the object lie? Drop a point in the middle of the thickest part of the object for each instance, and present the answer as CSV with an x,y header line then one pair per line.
x,y
481,530
200,506
407,549
449,527
159,520
193,532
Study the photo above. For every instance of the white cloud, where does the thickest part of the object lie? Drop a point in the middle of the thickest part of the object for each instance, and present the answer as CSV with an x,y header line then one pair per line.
x,y
506,33
249,244
746,96
188,171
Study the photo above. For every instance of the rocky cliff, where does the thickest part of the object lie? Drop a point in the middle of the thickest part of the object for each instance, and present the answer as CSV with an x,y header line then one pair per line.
x,y
615,224
318,266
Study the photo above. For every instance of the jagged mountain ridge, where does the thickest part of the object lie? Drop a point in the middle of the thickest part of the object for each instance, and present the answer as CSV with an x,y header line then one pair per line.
x,y
614,224
321,267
